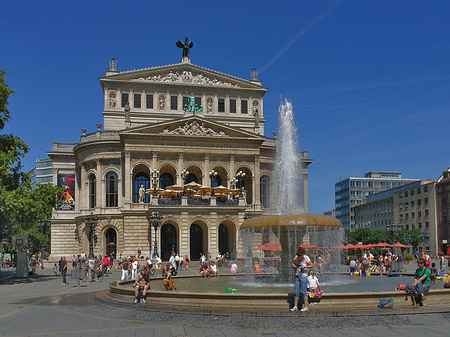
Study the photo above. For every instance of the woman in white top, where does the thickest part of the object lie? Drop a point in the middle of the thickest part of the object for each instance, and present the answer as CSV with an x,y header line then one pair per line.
x,y
301,264
214,269
313,282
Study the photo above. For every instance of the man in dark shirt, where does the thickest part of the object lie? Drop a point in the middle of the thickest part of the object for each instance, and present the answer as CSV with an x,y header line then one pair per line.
x,y
142,282
64,269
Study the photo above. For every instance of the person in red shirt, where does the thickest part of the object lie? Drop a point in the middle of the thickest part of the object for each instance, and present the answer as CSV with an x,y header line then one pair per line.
x,y
105,264
204,270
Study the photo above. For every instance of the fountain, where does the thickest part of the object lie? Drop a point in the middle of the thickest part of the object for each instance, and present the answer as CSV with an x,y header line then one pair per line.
x,y
289,226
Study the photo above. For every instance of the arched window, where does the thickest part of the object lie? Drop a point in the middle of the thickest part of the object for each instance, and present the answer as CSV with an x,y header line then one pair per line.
x,y
112,194
165,180
265,191
92,191
141,179
191,177
217,181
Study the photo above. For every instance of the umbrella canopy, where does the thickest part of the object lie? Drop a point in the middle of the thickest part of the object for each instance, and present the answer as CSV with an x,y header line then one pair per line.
x,y
169,193
221,189
448,251
269,246
174,188
381,244
400,245
204,190
193,185
159,191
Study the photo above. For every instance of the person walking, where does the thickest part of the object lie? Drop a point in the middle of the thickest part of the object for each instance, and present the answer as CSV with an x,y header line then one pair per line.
x,y
124,270
135,266
64,270
301,264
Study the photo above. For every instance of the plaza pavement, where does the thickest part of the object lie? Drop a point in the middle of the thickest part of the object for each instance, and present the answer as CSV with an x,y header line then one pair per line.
x,y
42,306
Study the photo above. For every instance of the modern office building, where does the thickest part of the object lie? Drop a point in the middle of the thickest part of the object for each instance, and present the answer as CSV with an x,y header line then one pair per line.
x,y
158,123
42,172
412,206
353,191
443,211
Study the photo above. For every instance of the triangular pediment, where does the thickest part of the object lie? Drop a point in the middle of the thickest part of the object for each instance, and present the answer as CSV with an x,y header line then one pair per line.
x,y
192,126
185,74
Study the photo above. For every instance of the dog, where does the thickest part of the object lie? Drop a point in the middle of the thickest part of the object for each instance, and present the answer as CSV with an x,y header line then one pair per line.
x,y
169,284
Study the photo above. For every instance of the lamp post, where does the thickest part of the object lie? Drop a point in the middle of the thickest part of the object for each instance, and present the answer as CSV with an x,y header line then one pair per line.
x,y
424,236
212,176
155,178
393,230
184,175
43,224
91,222
4,237
240,176
233,182
155,220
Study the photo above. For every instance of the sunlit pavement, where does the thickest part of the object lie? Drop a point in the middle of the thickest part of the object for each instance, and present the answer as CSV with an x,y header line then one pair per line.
x,y
42,306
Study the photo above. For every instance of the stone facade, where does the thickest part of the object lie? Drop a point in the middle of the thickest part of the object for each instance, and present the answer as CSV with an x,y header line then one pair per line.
x,y
154,131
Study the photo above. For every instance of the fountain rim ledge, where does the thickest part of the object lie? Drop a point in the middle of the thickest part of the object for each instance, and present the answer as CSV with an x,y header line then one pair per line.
x,y
290,220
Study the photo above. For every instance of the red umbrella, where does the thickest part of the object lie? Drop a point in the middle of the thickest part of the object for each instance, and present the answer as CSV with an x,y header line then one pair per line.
x,y
349,246
269,246
381,244
448,251
400,245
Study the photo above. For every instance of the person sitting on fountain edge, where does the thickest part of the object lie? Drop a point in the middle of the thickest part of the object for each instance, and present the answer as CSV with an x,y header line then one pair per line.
x,y
422,280
142,282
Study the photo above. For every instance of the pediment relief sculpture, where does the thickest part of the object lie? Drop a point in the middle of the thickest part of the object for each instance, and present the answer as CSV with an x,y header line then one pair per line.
x,y
186,77
194,128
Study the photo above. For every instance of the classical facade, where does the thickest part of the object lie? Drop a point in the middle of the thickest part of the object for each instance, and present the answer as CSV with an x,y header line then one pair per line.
x,y
157,123
443,211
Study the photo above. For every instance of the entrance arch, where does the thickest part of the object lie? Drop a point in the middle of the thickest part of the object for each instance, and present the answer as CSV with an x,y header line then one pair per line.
x,y
111,242
198,240
227,238
169,241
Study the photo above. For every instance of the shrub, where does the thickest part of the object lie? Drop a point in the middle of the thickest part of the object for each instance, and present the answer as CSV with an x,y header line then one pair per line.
x,y
409,257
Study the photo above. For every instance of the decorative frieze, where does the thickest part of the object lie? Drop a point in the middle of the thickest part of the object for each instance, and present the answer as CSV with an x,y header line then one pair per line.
x,y
186,77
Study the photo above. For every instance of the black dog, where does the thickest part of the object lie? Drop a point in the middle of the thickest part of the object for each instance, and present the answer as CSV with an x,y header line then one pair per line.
x,y
412,293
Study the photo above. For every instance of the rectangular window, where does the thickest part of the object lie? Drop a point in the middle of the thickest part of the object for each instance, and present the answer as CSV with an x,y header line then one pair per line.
x,y
406,194
420,225
413,215
425,201
401,206
426,212
412,204
406,204
221,107
149,101
412,193
124,99
232,106
419,190
419,202
419,214
137,101
401,216
406,216
244,106
425,189
198,101
407,227
173,102
185,101
413,226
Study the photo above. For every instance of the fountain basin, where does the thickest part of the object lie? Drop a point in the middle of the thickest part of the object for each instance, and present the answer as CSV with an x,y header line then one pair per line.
x,y
263,304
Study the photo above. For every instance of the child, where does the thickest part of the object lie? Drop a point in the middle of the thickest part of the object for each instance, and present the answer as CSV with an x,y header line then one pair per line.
x,y
434,272
55,270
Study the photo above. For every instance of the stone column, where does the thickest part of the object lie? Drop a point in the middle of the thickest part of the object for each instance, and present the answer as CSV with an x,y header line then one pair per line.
x,y
206,170
305,191
231,169
180,168
154,160
257,189
127,176
84,193
101,185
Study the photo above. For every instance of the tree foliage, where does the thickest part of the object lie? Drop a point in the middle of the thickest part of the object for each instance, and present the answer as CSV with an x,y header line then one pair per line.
x,y
20,205
365,235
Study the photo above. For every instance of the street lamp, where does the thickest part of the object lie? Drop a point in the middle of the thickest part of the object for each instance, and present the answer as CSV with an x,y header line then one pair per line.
x,y
233,182
240,176
393,230
155,220
91,222
184,175
43,224
212,176
424,237
155,178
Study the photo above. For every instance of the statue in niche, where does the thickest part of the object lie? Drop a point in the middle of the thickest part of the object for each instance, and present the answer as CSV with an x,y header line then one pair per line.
x,y
127,112
112,100
141,194
162,103
256,114
209,105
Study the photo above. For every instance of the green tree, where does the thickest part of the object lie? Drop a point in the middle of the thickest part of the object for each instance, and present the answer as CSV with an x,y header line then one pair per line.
x,y
20,205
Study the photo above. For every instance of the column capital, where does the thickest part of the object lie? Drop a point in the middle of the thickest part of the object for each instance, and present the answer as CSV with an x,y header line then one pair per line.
x,y
127,153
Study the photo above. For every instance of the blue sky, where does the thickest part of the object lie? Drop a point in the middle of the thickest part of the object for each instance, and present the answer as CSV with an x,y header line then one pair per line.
x,y
369,80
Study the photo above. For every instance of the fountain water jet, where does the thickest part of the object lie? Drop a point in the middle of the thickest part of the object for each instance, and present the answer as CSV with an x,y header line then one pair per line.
x,y
291,227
